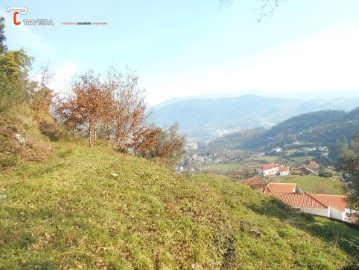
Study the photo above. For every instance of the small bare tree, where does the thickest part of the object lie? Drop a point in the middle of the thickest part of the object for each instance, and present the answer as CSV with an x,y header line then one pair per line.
x,y
43,95
266,7
129,107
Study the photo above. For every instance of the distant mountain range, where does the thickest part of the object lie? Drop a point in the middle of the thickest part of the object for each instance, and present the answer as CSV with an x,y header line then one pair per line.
x,y
207,118
323,127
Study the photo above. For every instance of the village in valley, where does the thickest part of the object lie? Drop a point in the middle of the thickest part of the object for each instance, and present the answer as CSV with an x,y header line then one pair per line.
x,y
297,158
292,174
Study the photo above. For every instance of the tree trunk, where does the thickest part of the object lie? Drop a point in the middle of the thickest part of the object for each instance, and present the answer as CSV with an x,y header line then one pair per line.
x,y
118,133
90,135
108,132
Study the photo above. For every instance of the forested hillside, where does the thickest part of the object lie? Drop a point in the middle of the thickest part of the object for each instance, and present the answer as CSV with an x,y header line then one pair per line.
x,y
322,127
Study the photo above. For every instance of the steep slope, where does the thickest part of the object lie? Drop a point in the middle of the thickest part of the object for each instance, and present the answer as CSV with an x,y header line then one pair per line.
x,y
95,209
24,136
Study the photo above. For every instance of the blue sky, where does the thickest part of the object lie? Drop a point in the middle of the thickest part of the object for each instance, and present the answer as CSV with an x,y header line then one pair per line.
x,y
182,48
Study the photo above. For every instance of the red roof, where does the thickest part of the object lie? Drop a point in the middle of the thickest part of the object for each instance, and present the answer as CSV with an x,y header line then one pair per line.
x,y
299,200
283,169
255,182
280,188
268,166
334,201
312,164
310,200
303,171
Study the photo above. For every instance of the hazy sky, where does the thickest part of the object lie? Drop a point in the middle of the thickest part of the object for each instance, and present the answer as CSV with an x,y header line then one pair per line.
x,y
183,47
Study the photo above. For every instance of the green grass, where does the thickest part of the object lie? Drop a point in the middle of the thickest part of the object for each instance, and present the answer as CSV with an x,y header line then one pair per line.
x,y
315,184
221,168
264,159
291,151
71,213
298,161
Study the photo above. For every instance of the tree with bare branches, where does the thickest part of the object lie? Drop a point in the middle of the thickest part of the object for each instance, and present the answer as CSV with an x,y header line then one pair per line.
x,y
129,107
43,95
266,7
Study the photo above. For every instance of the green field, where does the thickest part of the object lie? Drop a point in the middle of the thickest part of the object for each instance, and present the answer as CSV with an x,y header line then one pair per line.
x,y
315,184
251,163
221,168
255,162
291,151
264,159
92,208
295,161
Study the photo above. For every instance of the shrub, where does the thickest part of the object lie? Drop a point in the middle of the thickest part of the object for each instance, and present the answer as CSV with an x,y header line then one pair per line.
x,y
326,174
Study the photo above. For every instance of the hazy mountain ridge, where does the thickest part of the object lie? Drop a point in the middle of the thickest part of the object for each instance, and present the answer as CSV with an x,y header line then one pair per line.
x,y
322,127
199,118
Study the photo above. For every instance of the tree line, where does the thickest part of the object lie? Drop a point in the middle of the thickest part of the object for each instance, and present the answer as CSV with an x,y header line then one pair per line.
x,y
114,109
111,108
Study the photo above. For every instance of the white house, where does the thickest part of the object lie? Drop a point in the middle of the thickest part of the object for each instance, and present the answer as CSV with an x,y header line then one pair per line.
x,y
277,150
266,170
283,171
272,169
331,206
323,148
190,145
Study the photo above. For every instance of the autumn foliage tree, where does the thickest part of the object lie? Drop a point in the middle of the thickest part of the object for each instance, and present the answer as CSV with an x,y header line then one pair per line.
x,y
88,107
115,109
163,143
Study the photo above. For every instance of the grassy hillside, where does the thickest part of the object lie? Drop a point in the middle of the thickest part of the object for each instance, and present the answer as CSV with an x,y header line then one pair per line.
x,y
96,209
25,136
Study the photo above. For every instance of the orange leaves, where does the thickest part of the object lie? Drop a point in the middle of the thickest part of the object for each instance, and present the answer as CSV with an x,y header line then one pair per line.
x,y
166,144
115,109
89,107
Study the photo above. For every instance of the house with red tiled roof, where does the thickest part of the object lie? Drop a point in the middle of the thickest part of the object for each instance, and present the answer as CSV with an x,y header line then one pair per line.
x,y
255,182
283,171
304,171
331,206
336,203
272,169
281,188
312,164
